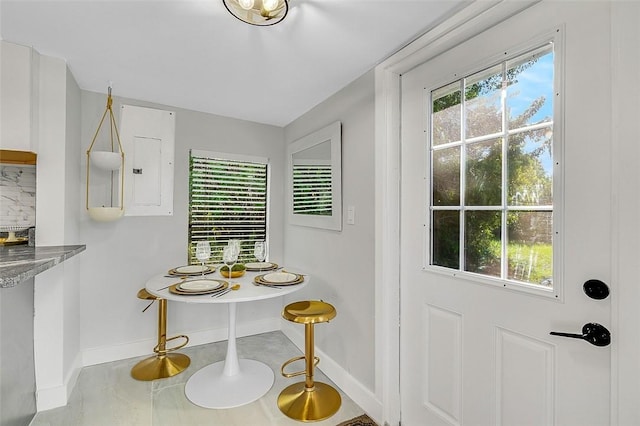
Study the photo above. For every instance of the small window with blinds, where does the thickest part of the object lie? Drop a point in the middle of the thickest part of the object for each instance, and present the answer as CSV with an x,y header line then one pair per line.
x,y
227,201
312,189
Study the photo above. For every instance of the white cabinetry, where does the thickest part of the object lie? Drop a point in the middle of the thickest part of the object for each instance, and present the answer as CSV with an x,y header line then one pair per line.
x,y
19,83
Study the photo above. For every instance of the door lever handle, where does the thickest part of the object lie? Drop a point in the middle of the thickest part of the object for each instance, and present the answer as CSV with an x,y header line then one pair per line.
x,y
592,332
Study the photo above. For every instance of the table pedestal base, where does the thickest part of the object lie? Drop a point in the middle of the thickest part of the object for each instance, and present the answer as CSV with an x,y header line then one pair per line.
x,y
209,387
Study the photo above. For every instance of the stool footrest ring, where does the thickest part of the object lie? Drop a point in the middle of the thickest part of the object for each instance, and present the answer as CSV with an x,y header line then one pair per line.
x,y
157,350
316,360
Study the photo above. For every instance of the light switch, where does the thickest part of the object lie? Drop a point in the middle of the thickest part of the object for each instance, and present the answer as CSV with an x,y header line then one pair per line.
x,y
351,215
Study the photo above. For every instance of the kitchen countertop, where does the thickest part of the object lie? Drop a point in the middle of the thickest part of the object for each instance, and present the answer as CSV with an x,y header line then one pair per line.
x,y
21,262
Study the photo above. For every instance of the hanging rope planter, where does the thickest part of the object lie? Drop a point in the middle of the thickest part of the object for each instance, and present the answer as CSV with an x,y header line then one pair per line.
x,y
110,161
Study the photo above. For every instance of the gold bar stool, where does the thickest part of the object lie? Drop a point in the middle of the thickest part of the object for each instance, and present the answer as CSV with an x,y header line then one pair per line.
x,y
163,364
308,401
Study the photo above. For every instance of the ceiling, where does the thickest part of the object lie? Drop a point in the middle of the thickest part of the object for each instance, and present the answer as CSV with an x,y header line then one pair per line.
x,y
195,55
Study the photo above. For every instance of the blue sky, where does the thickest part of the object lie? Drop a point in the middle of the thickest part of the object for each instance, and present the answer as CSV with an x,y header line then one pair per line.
x,y
533,82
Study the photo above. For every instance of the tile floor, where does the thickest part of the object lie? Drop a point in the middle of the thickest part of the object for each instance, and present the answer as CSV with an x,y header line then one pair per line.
x,y
106,395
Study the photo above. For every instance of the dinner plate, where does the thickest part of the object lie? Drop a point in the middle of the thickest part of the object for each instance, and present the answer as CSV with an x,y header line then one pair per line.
x,y
192,270
279,279
260,266
199,285
175,289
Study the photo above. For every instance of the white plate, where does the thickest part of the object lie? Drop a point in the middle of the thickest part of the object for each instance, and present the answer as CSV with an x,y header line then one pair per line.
x,y
279,277
259,265
199,285
190,269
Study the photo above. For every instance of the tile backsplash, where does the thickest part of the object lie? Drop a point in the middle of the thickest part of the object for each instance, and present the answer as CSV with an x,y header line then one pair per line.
x,y
17,195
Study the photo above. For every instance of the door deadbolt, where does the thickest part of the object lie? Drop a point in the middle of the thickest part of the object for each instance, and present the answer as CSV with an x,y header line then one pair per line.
x,y
596,289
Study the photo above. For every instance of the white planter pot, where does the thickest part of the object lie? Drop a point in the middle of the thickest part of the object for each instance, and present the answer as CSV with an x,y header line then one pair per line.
x,y
106,160
105,214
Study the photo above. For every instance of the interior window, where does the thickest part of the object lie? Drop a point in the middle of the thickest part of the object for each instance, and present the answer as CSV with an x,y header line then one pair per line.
x,y
227,200
491,156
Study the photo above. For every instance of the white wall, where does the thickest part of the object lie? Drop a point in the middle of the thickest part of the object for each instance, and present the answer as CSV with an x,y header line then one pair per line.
x,y
122,255
57,311
74,185
341,264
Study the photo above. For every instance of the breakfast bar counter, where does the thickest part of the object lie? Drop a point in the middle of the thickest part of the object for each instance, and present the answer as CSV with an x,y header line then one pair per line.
x,y
21,262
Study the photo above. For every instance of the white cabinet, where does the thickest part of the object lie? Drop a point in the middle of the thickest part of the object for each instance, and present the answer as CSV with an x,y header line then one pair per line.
x,y
19,83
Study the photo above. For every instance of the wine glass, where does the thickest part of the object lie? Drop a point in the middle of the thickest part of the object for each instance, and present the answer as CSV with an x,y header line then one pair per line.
x,y
229,257
203,252
260,252
236,246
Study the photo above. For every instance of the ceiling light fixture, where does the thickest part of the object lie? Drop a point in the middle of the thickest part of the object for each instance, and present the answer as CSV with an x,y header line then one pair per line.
x,y
258,12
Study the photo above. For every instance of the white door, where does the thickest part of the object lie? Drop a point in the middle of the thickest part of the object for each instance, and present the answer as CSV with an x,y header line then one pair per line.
x,y
479,352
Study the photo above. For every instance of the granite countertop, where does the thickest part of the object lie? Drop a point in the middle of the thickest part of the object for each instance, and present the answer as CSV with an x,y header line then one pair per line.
x,y
21,262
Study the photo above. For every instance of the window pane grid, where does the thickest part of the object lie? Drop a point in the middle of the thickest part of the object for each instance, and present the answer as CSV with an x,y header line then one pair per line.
x,y
228,200
499,238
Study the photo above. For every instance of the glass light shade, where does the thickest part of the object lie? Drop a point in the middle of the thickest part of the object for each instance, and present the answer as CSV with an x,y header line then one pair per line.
x,y
261,13
270,5
246,4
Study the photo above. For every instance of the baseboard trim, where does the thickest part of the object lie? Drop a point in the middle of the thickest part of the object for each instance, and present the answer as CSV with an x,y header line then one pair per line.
x,y
57,396
144,347
341,377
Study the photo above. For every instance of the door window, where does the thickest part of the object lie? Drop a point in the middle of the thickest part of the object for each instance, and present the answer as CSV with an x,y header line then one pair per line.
x,y
491,155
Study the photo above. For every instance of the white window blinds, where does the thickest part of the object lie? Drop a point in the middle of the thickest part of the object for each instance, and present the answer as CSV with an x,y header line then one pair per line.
x,y
312,189
228,200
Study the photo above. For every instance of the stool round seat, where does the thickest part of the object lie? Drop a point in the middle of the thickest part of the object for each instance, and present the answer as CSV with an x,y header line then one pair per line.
x,y
309,312
308,401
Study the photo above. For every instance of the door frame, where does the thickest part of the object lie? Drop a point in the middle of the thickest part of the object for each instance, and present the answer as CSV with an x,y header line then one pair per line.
x,y
470,21
625,110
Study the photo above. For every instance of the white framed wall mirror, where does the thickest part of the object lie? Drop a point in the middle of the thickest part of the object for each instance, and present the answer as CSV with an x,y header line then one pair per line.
x,y
314,183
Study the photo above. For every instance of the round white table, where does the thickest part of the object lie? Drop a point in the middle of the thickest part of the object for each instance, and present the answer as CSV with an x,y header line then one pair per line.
x,y
232,382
